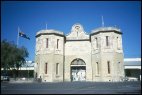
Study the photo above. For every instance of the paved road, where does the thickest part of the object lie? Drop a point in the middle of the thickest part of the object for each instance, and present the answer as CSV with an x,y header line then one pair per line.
x,y
72,88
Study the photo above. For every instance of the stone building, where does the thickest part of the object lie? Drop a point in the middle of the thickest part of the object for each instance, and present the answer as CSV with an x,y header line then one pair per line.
x,y
79,56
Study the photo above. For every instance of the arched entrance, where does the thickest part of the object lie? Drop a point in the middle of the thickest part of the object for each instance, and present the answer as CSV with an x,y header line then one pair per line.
x,y
78,70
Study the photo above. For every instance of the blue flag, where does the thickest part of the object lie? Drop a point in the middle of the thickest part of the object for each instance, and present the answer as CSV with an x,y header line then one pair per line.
x,y
23,35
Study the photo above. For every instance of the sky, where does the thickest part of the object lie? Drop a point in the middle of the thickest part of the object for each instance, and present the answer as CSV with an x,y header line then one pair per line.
x,y
32,16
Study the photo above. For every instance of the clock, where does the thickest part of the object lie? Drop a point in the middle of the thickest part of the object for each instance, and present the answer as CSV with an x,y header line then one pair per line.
x,y
77,27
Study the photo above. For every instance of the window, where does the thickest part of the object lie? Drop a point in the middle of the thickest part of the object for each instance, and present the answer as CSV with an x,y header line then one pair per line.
x,y
119,67
108,64
46,42
45,68
57,43
96,40
118,42
57,68
107,41
97,67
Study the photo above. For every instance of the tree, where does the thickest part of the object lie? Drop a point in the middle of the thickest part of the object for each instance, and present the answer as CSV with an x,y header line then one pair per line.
x,y
7,49
12,56
20,56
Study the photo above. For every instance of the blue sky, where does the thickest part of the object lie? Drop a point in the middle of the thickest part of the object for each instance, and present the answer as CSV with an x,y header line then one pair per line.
x,y
32,16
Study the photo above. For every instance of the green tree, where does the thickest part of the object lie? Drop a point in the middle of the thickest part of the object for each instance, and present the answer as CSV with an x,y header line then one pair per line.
x,y
7,49
20,57
12,56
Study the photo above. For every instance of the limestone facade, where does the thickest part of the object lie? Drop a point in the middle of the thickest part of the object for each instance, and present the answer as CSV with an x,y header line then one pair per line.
x,y
79,56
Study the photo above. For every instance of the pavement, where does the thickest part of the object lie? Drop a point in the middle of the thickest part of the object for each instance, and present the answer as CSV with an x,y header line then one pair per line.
x,y
21,81
71,88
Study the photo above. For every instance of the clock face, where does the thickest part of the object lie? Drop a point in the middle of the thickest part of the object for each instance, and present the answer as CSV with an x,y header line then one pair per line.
x,y
77,27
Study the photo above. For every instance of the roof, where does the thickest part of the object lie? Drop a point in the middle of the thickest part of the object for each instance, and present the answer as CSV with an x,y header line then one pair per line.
x,y
28,64
132,59
49,32
132,62
106,29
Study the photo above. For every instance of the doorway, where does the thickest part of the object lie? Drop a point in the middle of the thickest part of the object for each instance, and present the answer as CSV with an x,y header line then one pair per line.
x,y
78,70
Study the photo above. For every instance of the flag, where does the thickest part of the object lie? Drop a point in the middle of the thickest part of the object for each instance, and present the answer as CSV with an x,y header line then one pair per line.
x,y
23,35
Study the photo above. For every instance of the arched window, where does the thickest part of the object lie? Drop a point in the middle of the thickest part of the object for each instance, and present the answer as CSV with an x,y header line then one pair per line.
x,y
78,62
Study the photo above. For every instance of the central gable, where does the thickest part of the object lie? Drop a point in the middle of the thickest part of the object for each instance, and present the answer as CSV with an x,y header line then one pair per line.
x,y
77,33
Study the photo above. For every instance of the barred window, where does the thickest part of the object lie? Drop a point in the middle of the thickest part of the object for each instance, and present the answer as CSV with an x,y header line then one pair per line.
x,y
96,40
57,43
97,67
46,42
108,64
118,43
57,68
46,68
107,41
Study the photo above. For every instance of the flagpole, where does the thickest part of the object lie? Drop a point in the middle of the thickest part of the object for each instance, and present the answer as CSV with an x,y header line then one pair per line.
x,y
102,22
18,37
46,26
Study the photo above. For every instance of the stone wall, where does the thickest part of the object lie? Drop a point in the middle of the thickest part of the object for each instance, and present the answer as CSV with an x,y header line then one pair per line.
x,y
78,49
50,55
103,53
77,44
